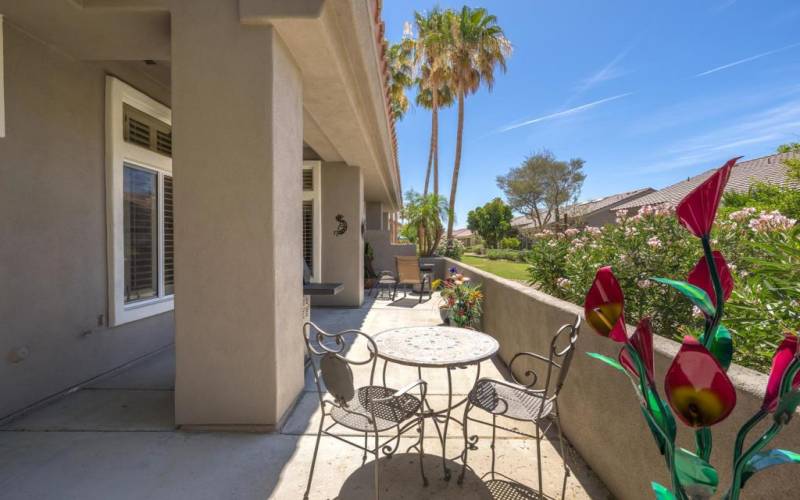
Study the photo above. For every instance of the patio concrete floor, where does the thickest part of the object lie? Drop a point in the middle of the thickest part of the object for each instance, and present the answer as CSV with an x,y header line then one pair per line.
x,y
116,439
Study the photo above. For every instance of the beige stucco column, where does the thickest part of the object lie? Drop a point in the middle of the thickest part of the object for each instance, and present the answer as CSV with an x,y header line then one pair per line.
x,y
237,121
342,252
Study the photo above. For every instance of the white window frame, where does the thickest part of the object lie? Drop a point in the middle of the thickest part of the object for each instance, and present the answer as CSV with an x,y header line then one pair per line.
x,y
315,196
118,153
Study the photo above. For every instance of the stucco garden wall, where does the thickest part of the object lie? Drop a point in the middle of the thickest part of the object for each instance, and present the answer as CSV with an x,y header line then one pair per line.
x,y
600,412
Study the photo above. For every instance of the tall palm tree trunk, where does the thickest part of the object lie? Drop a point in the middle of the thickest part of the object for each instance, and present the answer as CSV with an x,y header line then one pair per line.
x,y
430,162
456,166
435,110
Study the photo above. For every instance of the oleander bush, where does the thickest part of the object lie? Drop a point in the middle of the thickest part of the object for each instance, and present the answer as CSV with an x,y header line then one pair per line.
x,y
453,249
476,249
762,247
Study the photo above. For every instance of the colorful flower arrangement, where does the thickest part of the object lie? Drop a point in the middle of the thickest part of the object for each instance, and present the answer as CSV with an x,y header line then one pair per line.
x,y
462,298
696,385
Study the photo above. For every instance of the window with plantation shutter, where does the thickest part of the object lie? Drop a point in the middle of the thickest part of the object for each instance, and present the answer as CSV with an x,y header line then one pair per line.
x,y
140,188
311,219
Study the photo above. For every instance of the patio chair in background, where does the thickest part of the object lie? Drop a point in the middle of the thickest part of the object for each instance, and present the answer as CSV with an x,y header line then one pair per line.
x,y
386,282
410,275
520,401
369,410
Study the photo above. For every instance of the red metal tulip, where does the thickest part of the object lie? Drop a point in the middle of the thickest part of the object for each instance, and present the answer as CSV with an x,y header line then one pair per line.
x,y
642,342
780,362
697,210
701,277
697,388
604,306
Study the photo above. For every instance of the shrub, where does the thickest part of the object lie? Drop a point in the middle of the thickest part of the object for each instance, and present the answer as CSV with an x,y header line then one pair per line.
x,y
453,249
498,254
762,247
510,243
476,249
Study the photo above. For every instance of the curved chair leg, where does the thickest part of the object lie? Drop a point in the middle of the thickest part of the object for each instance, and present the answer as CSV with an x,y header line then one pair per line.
x,y
314,458
364,457
422,450
377,468
467,407
539,456
494,433
563,452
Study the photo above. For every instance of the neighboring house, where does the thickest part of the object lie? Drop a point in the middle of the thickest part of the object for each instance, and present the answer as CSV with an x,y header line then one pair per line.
x,y
769,169
166,166
466,237
588,213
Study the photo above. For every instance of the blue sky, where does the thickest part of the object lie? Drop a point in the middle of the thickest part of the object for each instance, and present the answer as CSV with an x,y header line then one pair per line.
x,y
647,93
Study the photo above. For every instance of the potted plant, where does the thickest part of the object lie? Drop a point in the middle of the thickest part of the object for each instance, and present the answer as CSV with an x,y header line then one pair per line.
x,y
370,276
461,301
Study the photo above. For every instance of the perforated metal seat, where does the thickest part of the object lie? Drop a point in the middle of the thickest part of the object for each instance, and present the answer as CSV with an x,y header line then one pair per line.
x,y
356,415
516,401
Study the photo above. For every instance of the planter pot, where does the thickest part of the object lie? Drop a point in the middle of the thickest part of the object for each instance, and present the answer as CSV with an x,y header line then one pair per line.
x,y
445,314
369,283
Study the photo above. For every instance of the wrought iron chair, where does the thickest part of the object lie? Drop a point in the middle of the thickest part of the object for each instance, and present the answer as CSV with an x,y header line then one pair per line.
x,y
386,283
520,401
371,409
409,275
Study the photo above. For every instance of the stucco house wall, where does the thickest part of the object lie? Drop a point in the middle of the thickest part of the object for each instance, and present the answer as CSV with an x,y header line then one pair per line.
x,y
53,298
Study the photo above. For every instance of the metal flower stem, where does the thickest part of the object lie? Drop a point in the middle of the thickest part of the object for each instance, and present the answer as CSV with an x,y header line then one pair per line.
x,y
703,438
669,445
769,434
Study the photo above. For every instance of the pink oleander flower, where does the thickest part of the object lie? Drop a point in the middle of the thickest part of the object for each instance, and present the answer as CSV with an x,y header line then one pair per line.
x,y
742,215
563,282
654,242
594,231
771,221
631,231
571,232
644,283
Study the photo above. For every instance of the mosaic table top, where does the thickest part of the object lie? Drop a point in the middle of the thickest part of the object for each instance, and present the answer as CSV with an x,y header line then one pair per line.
x,y
435,346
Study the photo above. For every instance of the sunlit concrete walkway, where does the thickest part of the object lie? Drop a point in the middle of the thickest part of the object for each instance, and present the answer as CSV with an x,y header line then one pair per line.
x,y
117,439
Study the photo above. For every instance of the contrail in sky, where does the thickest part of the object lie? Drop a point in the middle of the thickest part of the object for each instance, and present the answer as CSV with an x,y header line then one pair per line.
x,y
746,60
566,112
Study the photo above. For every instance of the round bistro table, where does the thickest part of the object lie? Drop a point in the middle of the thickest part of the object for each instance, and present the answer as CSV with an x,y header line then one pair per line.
x,y
443,347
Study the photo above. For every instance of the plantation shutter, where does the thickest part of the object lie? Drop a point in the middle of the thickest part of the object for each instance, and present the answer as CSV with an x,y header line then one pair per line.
x,y
140,212
146,131
169,239
308,234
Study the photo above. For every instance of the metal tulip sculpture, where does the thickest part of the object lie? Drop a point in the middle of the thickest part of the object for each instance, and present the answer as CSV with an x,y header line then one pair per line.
x,y
696,385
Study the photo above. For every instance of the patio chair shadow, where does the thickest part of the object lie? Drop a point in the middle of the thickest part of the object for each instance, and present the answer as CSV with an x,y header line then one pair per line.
x,y
407,302
400,479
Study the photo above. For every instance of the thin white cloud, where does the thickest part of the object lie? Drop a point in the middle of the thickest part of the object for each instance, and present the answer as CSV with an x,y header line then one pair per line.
x,y
724,5
746,60
564,113
769,127
608,72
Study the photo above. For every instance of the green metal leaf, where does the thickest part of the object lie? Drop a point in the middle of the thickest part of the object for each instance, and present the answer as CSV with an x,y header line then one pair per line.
x,y
607,360
767,459
721,347
661,491
696,295
697,477
665,420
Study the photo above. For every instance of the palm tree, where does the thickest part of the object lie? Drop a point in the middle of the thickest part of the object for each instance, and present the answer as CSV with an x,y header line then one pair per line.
x,y
475,46
429,55
401,75
423,216
425,100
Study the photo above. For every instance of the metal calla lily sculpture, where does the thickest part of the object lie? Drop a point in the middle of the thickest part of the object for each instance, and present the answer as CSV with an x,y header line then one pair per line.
x,y
697,388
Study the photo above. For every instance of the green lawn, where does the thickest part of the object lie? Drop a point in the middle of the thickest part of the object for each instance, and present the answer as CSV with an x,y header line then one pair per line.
x,y
502,268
